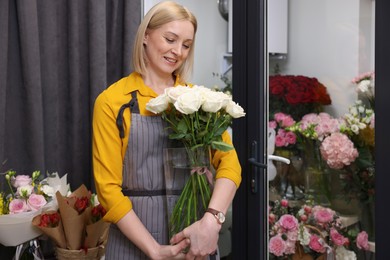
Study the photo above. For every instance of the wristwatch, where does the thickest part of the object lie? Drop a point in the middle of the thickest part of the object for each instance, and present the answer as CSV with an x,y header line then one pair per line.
x,y
217,214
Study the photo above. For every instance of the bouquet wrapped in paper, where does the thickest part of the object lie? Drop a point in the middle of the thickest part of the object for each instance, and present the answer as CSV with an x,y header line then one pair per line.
x,y
77,228
28,196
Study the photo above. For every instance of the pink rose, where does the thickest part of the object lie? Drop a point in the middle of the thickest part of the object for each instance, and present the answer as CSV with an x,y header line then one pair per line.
x,y
362,240
284,203
323,215
17,206
36,201
272,124
288,222
303,218
271,218
277,246
315,244
337,238
21,180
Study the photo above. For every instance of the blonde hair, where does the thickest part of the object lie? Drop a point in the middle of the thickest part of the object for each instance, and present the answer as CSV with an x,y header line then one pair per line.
x,y
160,14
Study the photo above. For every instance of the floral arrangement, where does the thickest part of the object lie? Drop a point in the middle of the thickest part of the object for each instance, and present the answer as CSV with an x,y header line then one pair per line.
x,y
197,116
27,196
296,95
77,227
311,230
284,137
365,87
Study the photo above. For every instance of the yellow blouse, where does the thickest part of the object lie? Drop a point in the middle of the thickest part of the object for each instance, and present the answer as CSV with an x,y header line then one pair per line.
x,y
109,149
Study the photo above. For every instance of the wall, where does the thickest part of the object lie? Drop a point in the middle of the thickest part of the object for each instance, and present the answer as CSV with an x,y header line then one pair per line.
x,y
330,40
211,40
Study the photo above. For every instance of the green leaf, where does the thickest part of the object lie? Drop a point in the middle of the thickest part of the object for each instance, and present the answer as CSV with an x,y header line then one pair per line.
x,y
222,146
177,136
182,127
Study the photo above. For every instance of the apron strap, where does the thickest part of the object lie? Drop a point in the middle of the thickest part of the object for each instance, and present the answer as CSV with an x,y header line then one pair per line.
x,y
134,108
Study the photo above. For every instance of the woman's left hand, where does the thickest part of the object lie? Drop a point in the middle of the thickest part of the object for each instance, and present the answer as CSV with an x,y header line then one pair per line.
x,y
203,236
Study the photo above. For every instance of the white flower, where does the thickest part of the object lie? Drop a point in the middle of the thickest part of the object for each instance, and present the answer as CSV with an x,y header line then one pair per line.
x,y
25,191
364,86
214,101
158,104
174,92
342,253
188,102
48,190
234,109
304,235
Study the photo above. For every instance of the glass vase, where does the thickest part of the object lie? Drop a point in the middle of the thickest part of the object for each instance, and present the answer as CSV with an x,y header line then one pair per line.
x,y
317,177
289,180
188,180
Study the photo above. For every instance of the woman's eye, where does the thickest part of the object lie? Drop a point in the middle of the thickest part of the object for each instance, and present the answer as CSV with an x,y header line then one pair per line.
x,y
169,40
186,46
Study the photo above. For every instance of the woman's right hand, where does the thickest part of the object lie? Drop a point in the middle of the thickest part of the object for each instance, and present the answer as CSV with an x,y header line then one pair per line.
x,y
171,251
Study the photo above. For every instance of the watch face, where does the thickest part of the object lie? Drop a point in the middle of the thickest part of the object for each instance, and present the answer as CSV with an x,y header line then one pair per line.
x,y
221,217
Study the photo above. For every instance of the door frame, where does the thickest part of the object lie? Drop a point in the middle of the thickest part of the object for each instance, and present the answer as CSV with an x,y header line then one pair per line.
x,y
249,52
249,212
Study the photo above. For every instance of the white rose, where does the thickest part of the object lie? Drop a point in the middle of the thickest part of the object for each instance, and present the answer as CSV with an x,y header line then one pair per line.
x,y
213,101
234,109
174,92
158,104
189,102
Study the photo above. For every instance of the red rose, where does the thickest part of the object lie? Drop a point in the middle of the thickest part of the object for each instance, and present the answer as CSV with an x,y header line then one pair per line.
x,y
81,204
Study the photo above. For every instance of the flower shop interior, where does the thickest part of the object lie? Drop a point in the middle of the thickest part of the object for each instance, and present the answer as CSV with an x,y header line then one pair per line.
x,y
311,76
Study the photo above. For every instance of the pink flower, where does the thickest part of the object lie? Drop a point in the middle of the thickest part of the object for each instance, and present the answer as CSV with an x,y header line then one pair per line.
x,y
284,120
277,245
288,222
323,215
36,201
271,218
338,151
362,240
337,238
21,180
284,203
272,124
303,218
315,244
17,206
291,138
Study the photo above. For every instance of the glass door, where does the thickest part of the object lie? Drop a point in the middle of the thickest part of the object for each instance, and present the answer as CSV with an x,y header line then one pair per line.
x,y
322,115
336,47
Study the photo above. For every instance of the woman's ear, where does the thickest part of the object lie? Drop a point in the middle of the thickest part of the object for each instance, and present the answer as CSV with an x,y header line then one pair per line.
x,y
146,37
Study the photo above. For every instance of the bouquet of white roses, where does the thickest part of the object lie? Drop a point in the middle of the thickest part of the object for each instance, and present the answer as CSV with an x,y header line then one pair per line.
x,y
197,116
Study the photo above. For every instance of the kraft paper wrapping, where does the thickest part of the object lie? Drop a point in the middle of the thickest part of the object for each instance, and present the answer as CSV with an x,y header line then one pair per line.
x,y
54,233
73,222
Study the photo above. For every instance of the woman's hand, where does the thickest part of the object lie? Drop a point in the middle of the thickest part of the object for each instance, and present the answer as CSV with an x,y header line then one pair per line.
x,y
203,236
171,251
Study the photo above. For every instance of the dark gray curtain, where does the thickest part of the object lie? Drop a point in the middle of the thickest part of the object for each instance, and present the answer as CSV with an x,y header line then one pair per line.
x,y
56,56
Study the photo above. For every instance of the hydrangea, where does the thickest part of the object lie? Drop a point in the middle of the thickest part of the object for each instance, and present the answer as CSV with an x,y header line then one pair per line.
x,y
338,151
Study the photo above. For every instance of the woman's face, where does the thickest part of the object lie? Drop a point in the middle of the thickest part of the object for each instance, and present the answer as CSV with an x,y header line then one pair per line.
x,y
168,46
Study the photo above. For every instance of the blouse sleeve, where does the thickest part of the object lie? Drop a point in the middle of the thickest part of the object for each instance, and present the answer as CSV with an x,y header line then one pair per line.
x,y
227,164
108,161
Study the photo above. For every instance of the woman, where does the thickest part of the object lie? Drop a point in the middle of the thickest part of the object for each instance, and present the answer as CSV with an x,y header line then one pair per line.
x,y
128,142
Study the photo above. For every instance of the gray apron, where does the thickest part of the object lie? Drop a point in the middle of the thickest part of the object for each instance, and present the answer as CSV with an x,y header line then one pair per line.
x,y
143,181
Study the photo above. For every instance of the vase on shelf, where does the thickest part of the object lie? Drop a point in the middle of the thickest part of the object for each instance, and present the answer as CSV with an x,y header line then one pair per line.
x,y
317,176
188,181
289,180
340,202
